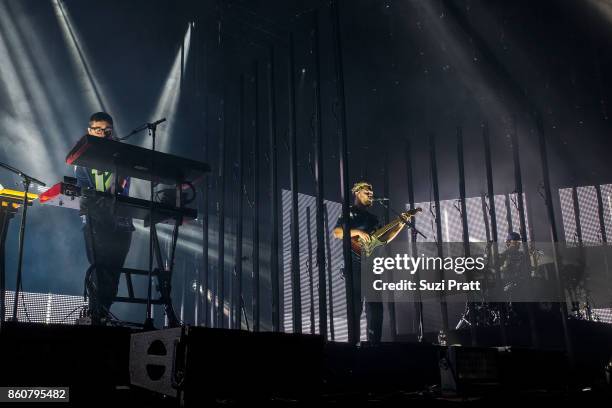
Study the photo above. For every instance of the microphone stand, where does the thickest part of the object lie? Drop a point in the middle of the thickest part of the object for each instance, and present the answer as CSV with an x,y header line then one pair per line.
x,y
148,323
27,181
410,224
152,127
141,128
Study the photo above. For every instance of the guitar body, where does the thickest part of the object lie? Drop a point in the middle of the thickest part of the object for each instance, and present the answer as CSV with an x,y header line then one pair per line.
x,y
358,246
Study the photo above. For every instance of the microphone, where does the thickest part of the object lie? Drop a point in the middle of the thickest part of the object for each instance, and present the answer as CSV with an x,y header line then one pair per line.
x,y
380,199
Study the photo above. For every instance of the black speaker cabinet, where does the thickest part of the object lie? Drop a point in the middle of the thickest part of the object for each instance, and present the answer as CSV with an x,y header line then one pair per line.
x,y
202,364
468,369
153,360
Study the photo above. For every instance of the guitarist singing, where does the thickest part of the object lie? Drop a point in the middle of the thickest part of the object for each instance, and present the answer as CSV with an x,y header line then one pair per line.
x,y
362,225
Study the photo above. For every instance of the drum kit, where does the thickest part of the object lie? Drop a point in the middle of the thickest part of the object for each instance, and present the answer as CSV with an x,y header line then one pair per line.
x,y
508,296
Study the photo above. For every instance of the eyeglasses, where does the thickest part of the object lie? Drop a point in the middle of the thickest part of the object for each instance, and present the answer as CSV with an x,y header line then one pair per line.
x,y
103,130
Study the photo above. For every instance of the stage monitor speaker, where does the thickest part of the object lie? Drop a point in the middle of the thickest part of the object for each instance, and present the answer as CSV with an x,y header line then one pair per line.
x,y
525,369
153,360
468,369
200,364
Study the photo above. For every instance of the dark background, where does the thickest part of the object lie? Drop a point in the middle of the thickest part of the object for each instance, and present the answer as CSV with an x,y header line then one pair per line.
x,y
411,68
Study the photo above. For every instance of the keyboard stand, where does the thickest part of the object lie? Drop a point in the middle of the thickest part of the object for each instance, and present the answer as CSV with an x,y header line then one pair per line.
x,y
161,273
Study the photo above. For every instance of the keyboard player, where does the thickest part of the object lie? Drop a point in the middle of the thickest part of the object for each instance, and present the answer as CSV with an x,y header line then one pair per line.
x,y
112,235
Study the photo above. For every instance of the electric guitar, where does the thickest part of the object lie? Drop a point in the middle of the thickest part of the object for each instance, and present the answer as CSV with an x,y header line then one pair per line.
x,y
359,246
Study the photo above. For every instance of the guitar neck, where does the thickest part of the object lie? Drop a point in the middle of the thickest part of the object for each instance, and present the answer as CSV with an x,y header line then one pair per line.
x,y
386,228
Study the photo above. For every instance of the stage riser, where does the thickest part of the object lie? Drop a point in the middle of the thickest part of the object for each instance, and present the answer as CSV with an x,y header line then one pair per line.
x,y
218,364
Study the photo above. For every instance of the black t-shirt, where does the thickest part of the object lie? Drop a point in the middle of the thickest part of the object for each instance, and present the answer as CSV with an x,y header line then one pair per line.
x,y
514,265
360,219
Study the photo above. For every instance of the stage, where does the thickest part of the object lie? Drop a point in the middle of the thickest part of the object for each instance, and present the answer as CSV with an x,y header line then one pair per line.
x,y
305,203
227,367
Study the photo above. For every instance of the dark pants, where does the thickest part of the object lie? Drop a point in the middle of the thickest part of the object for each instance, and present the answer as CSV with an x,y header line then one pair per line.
x,y
102,279
374,310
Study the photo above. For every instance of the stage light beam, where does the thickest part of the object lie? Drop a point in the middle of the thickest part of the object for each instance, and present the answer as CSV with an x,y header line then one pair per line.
x,y
95,99
32,92
166,107
18,121
168,101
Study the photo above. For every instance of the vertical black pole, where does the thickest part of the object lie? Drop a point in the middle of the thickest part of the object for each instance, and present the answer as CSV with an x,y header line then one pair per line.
x,y
554,238
465,233
239,221
205,215
574,303
418,304
5,218
216,272
386,192
293,176
310,277
518,179
274,278
509,213
196,298
196,34
385,170
214,303
529,214
183,289
256,201
577,215
436,194
231,282
602,229
488,240
221,216
318,170
518,183
345,190
600,213
493,218
330,292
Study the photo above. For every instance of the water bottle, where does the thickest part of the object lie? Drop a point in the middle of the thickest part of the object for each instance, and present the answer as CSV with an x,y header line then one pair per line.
x,y
442,338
